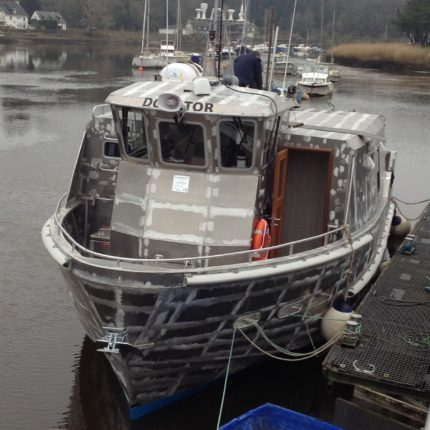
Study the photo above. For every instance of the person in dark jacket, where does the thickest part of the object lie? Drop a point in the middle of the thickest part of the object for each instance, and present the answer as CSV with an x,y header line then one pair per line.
x,y
247,67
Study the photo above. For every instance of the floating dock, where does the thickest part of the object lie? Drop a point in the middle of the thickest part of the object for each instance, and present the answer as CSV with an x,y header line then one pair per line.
x,y
391,352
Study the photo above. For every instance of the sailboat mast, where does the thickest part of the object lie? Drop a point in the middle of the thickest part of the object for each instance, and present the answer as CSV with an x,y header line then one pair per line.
x,y
215,29
148,14
178,42
144,25
332,33
322,24
167,28
289,44
244,28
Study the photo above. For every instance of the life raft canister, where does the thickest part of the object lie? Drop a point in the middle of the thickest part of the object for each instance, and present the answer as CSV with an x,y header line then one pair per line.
x,y
261,239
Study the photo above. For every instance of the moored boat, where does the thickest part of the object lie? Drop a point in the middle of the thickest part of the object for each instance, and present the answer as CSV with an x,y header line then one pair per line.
x,y
281,64
334,73
163,235
315,80
147,59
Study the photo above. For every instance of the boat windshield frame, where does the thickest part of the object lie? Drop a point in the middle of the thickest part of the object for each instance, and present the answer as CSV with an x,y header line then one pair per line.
x,y
254,146
117,112
159,150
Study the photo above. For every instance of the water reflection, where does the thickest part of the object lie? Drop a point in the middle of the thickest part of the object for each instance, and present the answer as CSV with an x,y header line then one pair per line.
x,y
43,113
23,58
96,401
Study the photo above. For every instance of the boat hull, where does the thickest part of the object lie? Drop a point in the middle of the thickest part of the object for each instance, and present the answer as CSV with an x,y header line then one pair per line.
x,y
179,326
316,89
151,62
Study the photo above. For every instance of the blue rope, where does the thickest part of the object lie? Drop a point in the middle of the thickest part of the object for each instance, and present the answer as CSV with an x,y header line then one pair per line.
x,y
226,378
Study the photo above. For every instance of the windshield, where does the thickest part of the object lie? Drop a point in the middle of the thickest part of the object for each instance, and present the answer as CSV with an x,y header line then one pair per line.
x,y
237,143
182,143
133,132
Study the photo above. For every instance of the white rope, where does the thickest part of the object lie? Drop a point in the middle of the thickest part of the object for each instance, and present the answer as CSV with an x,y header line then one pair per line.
x,y
286,351
402,214
411,203
298,356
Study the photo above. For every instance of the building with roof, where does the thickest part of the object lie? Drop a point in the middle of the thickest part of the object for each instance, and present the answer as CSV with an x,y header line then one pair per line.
x,y
13,15
47,15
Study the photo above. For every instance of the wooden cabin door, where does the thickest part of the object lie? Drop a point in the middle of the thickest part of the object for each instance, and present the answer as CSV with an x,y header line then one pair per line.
x,y
279,186
300,196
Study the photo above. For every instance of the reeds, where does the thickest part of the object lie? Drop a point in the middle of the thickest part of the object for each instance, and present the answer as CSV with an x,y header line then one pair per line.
x,y
397,53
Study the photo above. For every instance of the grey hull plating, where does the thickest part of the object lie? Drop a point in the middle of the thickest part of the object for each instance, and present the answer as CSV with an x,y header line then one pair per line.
x,y
157,252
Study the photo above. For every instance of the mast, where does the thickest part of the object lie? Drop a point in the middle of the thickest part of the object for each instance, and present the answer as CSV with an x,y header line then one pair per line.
x,y
167,28
332,33
272,20
215,29
178,43
147,23
289,44
245,17
322,24
144,25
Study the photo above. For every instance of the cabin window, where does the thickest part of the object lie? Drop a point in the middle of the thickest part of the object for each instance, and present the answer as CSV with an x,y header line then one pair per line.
x,y
133,131
237,143
182,143
111,149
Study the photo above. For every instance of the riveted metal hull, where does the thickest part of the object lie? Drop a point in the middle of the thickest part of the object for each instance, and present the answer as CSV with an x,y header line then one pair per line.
x,y
180,335
159,253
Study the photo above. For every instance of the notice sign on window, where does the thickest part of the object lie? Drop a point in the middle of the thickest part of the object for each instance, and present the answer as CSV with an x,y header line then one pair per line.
x,y
180,184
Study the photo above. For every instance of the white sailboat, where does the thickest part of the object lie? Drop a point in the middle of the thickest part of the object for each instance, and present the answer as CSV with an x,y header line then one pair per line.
x,y
146,58
334,73
170,51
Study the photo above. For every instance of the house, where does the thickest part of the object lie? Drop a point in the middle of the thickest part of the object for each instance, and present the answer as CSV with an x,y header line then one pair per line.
x,y
46,15
13,15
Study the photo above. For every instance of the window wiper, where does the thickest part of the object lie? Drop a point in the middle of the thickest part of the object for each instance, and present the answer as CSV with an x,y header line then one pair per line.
x,y
239,127
184,133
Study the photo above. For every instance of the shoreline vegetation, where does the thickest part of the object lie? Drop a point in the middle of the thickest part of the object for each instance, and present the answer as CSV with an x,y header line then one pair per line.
x,y
72,36
91,36
386,56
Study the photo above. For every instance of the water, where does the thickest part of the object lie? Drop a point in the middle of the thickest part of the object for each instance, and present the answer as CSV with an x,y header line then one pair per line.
x,y
50,378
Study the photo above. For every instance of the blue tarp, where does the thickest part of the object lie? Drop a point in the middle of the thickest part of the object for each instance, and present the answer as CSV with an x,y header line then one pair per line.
x,y
273,417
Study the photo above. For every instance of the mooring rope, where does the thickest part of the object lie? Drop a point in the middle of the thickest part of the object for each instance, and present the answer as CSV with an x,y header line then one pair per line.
x,y
286,351
400,211
226,378
297,356
411,203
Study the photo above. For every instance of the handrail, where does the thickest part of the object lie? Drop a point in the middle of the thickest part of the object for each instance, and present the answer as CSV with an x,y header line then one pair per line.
x,y
185,259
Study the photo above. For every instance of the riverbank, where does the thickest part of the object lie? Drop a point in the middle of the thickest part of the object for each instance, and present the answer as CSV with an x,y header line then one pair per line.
x,y
73,36
91,36
384,56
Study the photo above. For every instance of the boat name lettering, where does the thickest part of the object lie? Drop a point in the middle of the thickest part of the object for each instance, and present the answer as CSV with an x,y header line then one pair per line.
x,y
194,106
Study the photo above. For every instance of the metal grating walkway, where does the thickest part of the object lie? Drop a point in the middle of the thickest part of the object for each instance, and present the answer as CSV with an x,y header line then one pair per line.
x,y
393,351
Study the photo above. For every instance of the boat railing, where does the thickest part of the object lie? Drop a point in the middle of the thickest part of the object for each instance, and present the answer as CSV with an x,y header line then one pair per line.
x,y
324,238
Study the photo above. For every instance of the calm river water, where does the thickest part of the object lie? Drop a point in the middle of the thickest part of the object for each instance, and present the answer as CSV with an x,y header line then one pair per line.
x,y
50,377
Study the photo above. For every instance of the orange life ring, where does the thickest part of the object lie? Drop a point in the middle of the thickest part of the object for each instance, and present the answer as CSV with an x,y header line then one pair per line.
x,y
261,239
